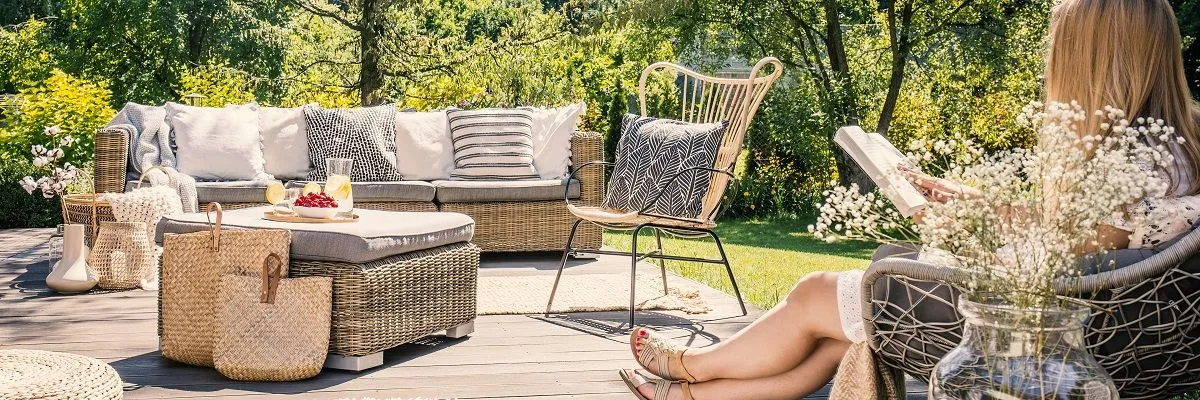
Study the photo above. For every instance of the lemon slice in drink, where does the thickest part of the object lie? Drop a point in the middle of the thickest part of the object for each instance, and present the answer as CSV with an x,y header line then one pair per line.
x,y
338,187
311,187
275,193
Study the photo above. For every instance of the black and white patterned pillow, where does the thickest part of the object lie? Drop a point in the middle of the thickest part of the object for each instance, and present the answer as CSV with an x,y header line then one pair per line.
x,y
366,135
650,152
492,144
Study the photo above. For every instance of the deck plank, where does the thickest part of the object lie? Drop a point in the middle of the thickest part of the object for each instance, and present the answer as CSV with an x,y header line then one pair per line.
x,y
573,356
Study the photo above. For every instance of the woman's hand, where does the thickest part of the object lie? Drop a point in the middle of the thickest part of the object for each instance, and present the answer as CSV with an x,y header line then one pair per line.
x,y
938,189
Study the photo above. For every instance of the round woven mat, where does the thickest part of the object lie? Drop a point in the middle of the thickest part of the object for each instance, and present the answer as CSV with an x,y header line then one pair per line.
x,y
36,374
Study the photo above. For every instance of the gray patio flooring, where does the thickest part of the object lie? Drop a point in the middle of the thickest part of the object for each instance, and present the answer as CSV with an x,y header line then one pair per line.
x,y
567,356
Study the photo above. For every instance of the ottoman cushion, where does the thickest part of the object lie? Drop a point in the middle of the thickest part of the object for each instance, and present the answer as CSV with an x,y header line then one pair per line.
x,y
364,192
376,235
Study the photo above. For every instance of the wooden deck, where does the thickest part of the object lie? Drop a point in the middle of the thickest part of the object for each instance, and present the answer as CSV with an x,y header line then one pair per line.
x,y
571,356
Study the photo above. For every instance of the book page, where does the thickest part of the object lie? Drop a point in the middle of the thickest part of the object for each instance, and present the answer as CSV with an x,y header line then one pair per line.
x,y
879,159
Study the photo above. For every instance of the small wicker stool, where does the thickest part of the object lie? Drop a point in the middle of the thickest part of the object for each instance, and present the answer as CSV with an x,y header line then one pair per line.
x,y
36,374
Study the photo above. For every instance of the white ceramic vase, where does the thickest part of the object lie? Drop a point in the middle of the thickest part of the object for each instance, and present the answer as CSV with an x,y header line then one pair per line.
x,y
70,274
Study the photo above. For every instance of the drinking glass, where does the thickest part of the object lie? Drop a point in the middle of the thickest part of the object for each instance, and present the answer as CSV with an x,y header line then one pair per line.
x,y
337,185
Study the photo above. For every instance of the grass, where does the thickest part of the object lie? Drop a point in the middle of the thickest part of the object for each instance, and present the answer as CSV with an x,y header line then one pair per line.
x,y
768,256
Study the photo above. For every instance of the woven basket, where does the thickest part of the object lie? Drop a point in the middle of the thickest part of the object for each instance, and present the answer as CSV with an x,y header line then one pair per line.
x,y
192,267
272,329
86,209
122,255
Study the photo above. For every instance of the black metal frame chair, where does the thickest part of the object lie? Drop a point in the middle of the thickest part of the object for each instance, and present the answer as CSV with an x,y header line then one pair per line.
x,y
711,99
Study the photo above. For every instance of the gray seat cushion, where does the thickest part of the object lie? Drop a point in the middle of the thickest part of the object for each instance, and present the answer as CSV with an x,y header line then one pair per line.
x,y
364,192
367,192
377,234
488,191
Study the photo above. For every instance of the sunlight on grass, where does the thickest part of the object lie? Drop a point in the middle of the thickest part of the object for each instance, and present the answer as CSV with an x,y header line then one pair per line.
x,y
768,256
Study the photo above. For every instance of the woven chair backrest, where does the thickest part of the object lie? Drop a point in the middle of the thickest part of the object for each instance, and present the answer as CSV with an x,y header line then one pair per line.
x,y
709,99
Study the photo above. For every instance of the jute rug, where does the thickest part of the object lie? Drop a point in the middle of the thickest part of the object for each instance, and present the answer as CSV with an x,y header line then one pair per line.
x,y
582,293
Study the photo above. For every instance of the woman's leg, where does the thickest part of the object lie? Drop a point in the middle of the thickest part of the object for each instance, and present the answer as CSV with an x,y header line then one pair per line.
x,y
780,340
802,380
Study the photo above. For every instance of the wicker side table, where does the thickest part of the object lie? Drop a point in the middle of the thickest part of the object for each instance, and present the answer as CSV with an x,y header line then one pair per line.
x,y
382,304
36,374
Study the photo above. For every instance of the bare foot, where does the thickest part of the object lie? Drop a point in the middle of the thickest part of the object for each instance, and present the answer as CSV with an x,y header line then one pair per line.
x,y
646,389
639,344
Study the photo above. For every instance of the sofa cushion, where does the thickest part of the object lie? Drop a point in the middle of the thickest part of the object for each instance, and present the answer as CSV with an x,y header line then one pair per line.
x,y
217,143
386,234
552,131
367,135
424,151
492,144
366,192
488,191
284,141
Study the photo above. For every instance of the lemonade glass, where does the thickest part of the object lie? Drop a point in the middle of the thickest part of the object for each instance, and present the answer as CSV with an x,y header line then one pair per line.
x,y
337,185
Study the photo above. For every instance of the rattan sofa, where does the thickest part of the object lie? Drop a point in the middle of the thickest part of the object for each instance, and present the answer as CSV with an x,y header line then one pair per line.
x,y
534,220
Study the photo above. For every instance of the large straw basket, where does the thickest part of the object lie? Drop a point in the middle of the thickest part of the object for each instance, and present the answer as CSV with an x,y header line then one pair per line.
x,y
122,255
192,267
86,209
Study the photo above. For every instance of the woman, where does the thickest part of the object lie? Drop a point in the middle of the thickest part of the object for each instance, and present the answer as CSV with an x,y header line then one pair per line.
x,y
1124,53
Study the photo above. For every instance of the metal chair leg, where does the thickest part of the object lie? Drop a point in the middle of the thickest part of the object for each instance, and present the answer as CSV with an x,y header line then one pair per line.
x,y
562,265
633,257
729,269
662,264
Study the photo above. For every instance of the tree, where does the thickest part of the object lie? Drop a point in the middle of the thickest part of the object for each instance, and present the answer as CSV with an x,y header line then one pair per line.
x,y
810,37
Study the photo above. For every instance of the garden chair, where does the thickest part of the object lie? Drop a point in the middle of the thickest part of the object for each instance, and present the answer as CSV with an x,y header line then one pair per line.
x,y
704,99
1144,328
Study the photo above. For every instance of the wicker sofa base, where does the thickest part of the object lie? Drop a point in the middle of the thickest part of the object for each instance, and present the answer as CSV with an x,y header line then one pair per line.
x,y
385,303
525,226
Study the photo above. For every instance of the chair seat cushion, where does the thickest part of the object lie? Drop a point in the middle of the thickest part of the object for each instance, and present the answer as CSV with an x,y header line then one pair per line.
x,y
364,192
621,220
490,191
376,235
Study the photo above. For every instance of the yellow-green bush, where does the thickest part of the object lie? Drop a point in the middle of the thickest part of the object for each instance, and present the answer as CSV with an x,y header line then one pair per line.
x,y
76,106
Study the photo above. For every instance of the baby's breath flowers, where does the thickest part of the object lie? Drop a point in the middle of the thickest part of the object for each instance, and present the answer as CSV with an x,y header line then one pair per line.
x,y
1035,212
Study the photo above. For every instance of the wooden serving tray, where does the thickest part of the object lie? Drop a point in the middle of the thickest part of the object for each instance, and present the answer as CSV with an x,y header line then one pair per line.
x,y
280,217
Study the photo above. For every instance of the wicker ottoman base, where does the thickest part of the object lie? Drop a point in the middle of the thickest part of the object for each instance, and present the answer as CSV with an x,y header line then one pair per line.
x,y
385,303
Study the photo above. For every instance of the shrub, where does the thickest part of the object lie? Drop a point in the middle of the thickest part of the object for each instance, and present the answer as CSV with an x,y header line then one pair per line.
x,y
21,209
76,106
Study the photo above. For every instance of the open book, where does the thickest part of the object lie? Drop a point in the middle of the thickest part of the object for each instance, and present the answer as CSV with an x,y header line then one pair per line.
x,y
879,159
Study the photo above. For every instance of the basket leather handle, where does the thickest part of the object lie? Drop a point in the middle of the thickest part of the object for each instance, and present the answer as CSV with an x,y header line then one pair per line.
x,y
165,170
272,269
216,229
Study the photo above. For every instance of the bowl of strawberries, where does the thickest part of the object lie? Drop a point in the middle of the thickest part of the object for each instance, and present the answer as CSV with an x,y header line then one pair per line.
x,y
315,205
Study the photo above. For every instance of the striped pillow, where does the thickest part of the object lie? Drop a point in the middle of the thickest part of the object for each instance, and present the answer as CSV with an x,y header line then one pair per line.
x,y
492,144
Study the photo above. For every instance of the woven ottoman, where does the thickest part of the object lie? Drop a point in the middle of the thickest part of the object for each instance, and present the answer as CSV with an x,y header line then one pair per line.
x,y
397,276
36,374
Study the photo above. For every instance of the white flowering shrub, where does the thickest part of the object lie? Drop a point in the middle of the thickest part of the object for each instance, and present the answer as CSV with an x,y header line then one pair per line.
x,y
59,175
1032,213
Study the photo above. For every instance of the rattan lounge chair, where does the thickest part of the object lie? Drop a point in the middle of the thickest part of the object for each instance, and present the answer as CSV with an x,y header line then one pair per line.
x,y
704,99
1144,330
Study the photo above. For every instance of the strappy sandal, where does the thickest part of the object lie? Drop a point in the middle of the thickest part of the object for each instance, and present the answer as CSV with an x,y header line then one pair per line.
x,y
662,387
668,354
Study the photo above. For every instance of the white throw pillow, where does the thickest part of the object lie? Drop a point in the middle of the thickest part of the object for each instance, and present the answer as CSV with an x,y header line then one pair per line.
x,y
552,131
217,143
424,151
285,142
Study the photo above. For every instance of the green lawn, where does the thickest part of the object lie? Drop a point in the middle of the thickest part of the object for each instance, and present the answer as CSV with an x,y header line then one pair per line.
x,y
768,256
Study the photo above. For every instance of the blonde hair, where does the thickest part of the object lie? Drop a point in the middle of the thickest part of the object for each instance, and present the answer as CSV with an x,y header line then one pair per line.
x,y
1127,54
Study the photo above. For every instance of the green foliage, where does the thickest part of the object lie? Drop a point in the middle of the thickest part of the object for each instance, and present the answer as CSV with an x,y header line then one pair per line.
x,y
220,85
76,106
24,59
21,209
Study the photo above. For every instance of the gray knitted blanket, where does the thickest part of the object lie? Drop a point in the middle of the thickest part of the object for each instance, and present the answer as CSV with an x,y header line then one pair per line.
x,y
150,145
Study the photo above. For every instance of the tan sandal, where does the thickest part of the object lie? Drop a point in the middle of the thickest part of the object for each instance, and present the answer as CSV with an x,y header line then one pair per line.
x,y
668,354
662,387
